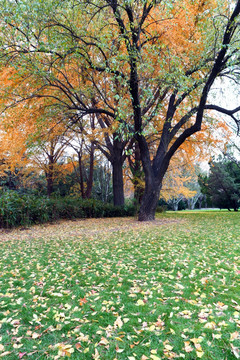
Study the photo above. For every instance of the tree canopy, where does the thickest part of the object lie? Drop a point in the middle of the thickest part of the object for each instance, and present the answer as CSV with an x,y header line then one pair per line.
x,y
143,68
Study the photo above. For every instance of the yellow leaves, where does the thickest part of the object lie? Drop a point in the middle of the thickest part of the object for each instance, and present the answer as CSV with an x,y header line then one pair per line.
x,y
118,350
140,303
234,336
199,353
118,322
210,325
5,353
187,314
64,349
103,342
82,337
118,338
1,347
196,341
235,351
96,355
187,347
35,335
154,357
198,347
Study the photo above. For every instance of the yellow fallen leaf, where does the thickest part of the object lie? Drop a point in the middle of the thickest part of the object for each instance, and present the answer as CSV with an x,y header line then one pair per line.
x,y
118,338
168,347
1,347
140,302
118,322
103,341
151,328
187,347
234,336
235,351
96,356
5,353
153,351
199,353
210,325
154,357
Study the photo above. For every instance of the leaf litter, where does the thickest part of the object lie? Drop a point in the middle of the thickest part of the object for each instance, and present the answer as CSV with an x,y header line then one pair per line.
x,y
117,289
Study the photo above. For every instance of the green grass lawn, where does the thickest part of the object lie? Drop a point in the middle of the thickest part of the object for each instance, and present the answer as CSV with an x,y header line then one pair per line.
x,y
103,289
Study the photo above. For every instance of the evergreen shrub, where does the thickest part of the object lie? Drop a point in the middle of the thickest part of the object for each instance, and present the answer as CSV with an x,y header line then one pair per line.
x,y
24,210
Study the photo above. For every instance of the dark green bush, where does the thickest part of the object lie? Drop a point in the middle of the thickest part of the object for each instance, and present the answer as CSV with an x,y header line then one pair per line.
x,y
23,210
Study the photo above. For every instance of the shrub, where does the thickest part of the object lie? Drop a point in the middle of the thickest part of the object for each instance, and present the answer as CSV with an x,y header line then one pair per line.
x,y
23,210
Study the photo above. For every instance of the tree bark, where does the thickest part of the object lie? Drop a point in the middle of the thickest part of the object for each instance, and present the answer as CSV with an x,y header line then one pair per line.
x,y
49,175
90,176
118,190
150,200
117,160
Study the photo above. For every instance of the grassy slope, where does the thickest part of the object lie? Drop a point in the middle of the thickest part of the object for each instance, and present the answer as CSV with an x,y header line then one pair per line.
x,y
141,292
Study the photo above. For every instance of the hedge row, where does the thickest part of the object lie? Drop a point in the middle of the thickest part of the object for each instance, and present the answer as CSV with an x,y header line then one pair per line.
x,y
23,210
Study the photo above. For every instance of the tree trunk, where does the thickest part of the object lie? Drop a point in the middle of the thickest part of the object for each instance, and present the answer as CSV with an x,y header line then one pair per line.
x,y
49,175
175,206
90,177
118,191
138,175
49,178
149,201
117,160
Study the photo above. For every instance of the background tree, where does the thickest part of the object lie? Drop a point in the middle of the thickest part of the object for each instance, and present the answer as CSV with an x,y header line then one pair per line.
x,y
223,183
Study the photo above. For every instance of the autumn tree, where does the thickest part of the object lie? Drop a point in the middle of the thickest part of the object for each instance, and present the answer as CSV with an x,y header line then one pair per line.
x,y
149,66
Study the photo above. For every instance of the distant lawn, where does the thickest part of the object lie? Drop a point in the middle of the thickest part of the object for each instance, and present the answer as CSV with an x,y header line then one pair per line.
x,y
115,289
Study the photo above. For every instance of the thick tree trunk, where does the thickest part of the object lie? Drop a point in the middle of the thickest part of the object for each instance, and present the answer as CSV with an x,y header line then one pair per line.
x,y
118,190
149,201
117,160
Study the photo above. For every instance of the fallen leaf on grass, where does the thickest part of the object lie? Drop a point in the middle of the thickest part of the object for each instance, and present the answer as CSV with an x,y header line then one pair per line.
x,y
234,336
5,353
235,351
21,355
118,322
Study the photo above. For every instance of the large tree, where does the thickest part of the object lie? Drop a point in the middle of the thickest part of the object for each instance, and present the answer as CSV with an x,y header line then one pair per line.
x,y
149,66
